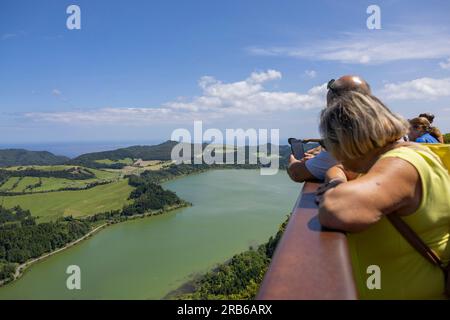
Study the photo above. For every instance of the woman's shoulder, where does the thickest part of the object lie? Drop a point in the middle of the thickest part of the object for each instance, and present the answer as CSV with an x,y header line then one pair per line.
x,y
420,157
412,151
427,163
404,150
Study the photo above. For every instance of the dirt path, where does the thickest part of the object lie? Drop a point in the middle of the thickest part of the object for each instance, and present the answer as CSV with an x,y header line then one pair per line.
x,y
21,268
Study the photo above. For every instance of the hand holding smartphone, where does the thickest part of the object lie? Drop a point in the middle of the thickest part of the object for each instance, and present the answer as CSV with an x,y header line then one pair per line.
x,y
299,147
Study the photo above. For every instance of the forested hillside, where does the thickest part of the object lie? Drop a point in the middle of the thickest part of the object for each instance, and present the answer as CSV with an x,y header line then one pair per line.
x,y
113,159
22,239
21,157
157,152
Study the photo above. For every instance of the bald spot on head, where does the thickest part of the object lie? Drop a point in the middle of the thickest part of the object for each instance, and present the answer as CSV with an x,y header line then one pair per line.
x,y
345,84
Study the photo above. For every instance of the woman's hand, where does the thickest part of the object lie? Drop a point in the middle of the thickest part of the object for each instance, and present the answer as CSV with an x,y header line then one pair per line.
x,y
334,177
297,170
293,159
308,156
315,151
327,186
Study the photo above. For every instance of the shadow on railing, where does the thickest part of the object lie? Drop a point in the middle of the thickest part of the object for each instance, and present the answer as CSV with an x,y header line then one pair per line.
x,y
309,262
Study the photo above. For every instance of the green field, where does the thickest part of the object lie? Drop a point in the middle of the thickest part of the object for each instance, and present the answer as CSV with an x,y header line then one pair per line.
x,y
42,168
49,184
25,182
101,174
127,161
9,184
53,184
49,206
104,175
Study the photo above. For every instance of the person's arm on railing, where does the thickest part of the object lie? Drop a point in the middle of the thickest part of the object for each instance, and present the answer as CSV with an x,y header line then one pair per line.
x,y
355,205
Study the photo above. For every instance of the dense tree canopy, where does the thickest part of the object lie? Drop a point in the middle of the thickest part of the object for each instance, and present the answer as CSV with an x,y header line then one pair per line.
x,y
21,157
22,239
75,173
149,196
447,138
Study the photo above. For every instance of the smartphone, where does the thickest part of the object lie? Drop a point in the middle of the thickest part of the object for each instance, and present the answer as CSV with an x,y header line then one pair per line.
x,y
297,148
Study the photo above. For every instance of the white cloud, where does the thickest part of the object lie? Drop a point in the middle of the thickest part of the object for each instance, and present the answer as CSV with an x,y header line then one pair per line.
x,y
7,36
445,65
105,115
218,100
369,47
260,77
311,73
56,93
422,88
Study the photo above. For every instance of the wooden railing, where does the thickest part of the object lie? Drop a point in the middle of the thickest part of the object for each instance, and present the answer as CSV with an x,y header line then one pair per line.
x,y
309,262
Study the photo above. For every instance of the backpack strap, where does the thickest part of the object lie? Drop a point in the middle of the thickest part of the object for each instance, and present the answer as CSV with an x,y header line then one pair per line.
x,y
415,241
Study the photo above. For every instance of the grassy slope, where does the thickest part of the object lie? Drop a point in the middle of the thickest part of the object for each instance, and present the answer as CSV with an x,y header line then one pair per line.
x,y
42,168
50,206
103,175
127,161
58,183
49,184
9,184
25,182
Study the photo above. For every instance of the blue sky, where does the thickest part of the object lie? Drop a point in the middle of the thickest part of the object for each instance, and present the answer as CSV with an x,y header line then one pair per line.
x,y
139,69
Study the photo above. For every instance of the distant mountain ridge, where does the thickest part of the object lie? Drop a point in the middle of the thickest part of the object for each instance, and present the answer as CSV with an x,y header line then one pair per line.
x,y
156,152
162,152
21,157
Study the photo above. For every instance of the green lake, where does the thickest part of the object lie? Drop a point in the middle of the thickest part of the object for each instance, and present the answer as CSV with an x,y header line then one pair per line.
x,y
147,258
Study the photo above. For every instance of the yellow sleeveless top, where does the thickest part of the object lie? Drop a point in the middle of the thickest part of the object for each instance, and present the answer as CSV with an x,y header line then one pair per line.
x,y
404,273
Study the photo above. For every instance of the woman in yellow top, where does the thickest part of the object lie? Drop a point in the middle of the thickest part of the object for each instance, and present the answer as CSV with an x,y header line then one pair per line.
x,y
378,176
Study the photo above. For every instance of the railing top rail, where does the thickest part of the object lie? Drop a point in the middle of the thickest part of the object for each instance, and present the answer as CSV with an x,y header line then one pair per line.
x,y
309,262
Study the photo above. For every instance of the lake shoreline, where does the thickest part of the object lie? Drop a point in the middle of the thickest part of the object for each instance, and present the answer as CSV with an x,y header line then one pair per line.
x,y
20,270
165,252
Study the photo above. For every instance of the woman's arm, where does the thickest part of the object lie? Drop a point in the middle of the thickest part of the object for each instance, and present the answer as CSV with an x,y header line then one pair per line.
x,y
297,170
391,185
339,172
336,173
334,176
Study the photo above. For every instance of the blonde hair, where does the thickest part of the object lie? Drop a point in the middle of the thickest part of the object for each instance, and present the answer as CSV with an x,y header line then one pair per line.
x,y
356,124
424,124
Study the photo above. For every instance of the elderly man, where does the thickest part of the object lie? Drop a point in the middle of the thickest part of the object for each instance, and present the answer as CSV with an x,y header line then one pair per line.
x,y
315,164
